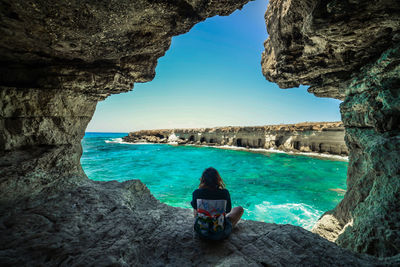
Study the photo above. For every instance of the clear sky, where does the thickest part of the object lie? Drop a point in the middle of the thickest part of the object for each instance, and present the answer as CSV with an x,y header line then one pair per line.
x,y
211,76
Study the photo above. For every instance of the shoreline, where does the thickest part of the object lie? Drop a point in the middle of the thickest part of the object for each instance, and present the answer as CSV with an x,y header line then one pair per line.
x,y
271,150
254,150
313,139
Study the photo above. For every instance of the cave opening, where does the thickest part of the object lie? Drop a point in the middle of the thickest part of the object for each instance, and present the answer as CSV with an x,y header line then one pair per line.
x,y
296,145
229,95
180,97
259,143
232,94
278,141
239,142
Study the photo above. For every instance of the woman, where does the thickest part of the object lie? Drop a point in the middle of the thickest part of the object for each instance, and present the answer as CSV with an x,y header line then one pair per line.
x,y
211,202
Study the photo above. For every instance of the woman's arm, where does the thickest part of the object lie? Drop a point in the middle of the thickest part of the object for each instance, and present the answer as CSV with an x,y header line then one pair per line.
x,y
228,204
194,200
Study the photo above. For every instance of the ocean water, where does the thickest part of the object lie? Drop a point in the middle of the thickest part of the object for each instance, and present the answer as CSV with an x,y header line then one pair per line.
x,y
271,187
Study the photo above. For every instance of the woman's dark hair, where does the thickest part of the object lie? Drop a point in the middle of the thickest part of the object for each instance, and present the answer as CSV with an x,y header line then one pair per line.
x,y
211,179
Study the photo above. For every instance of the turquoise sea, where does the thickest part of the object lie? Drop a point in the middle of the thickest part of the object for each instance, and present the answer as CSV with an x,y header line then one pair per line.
x,y
271,187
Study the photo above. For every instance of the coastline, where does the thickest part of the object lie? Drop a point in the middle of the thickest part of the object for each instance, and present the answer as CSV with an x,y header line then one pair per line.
x,y
254,150
271,150
320,139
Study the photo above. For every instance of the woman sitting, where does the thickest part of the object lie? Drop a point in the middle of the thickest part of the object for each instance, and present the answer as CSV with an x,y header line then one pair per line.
x,y
211,202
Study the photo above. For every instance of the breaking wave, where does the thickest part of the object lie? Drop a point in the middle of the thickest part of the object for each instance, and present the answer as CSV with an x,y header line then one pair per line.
x,y
288,213
114,140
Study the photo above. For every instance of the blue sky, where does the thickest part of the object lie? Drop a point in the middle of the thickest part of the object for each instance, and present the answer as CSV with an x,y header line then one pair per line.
x,y
211,76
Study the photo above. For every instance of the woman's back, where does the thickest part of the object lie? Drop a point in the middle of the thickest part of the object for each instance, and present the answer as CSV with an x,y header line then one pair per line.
x,y
212,194
211,203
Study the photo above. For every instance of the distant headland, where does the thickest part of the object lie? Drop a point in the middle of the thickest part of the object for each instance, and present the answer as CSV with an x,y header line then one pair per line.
x,y
318,137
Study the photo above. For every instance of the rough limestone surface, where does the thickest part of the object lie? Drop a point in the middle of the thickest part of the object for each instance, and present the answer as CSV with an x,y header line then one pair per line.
x,y
322,43
122,224
58,59
322,137
349,50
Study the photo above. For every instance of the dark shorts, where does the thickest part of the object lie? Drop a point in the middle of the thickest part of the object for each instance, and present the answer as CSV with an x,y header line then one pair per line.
x,y
212,235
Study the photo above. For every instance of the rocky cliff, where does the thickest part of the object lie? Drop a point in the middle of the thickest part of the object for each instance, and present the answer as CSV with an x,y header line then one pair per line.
x,y
349,50
324,137
59,58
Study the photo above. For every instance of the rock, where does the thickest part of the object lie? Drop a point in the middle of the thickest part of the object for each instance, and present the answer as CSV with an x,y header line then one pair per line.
x,y
322,43
349,50
301,137
122,224
40,138
182,141
373,196
152,139
58,59
96,48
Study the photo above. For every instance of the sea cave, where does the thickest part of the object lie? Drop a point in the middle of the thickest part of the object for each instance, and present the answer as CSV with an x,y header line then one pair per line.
x,y
59,59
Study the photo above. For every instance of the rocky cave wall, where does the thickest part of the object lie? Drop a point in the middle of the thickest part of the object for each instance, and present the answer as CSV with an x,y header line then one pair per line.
x,y
349,50
58,59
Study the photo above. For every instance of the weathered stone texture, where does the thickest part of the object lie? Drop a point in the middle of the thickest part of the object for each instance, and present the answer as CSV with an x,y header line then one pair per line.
x,y
349,50
58,59
322,43
122,224
371,113
41,133
99,47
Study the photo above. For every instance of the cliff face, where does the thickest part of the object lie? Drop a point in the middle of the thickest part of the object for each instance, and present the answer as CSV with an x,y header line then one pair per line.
x,y
349,50
304,137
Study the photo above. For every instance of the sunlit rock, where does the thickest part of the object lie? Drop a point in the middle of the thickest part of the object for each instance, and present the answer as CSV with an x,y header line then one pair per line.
x,y
323,137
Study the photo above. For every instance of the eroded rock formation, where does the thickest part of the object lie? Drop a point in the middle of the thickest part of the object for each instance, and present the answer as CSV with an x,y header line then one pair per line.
x,y
324,137
349,50
122,224
58,58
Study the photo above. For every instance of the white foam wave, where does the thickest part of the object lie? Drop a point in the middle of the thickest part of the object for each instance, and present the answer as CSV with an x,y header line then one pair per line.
x,y
292,213
172,143
114,140
271,150
120,141
320,155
